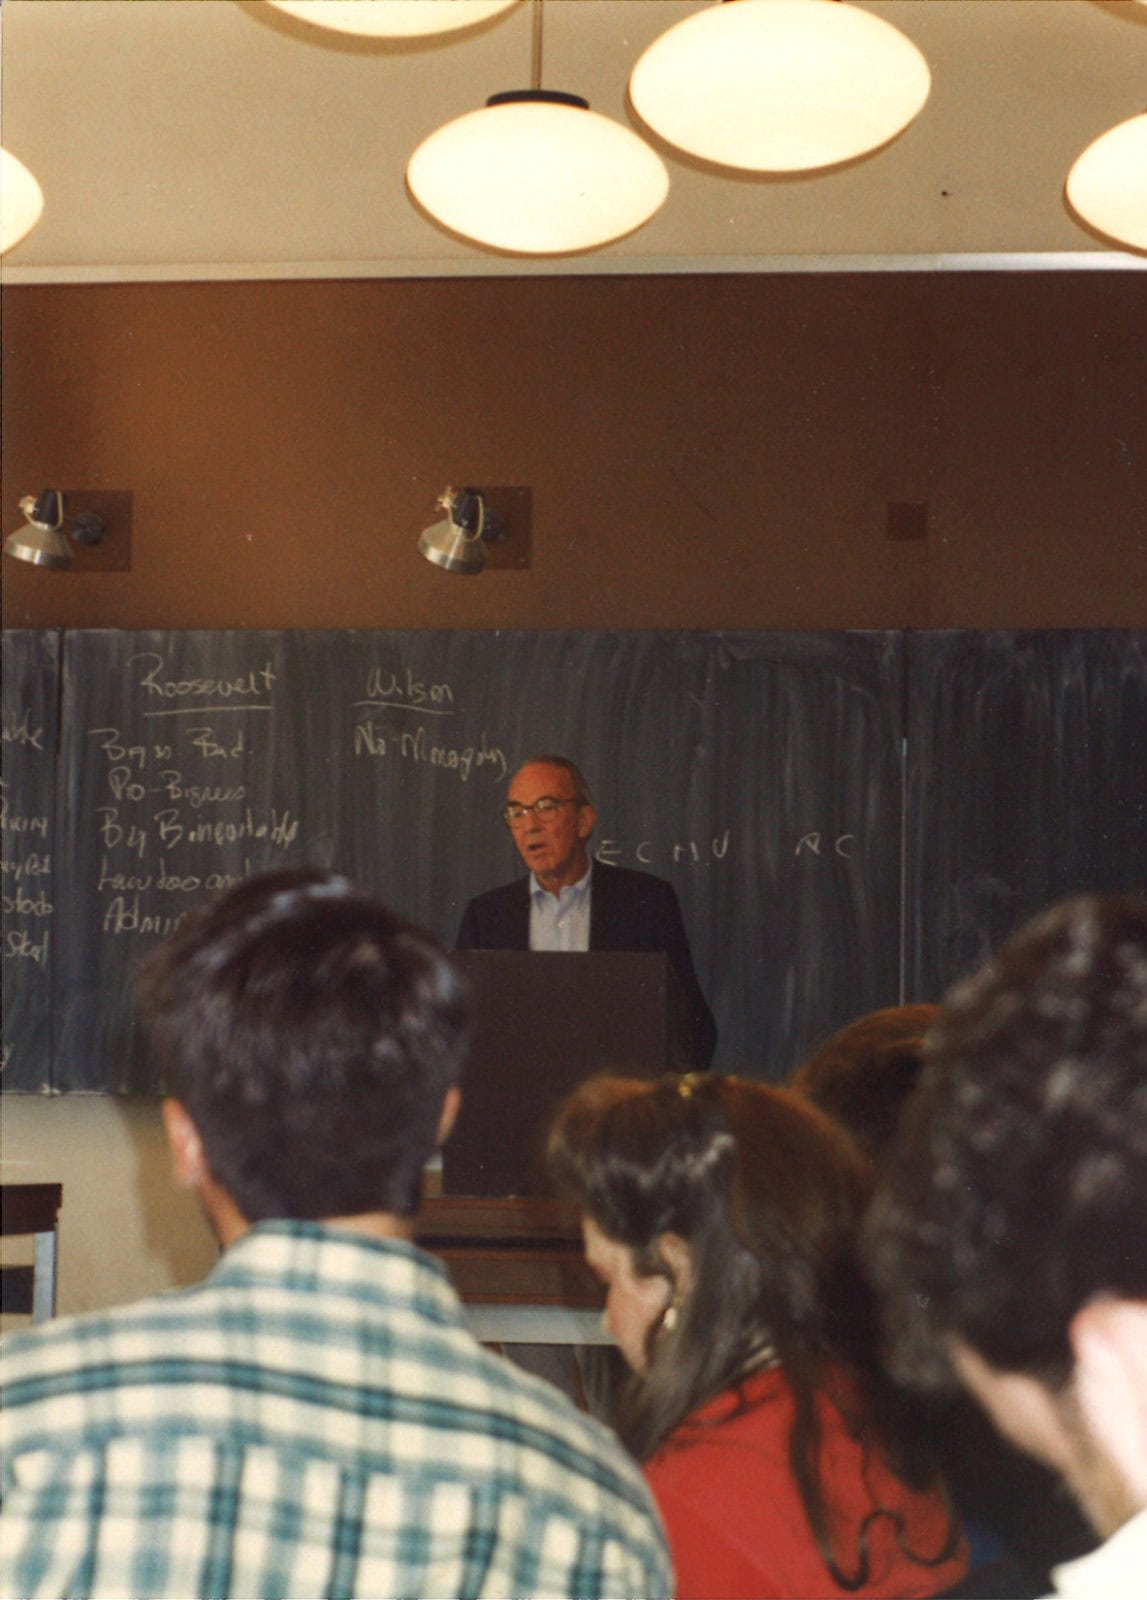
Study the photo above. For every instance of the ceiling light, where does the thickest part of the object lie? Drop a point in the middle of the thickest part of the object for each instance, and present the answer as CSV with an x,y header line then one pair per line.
x,y
21,200
43,540
392,19
537,172
780,85
1107,186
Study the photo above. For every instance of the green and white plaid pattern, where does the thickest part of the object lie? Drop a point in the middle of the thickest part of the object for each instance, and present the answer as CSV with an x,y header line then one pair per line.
x,y
312,1420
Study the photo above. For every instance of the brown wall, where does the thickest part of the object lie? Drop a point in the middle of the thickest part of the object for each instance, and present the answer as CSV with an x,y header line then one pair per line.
x,y
702,451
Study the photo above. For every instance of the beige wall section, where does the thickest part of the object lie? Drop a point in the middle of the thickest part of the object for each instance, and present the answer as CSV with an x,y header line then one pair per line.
x,y
125,1230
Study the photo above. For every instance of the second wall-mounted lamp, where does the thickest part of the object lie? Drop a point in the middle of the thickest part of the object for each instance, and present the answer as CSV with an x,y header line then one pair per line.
x,y
459,542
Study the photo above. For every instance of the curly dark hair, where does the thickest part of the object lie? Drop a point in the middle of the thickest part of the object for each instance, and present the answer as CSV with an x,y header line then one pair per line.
x,y
768,1194
312,1036
1017,1190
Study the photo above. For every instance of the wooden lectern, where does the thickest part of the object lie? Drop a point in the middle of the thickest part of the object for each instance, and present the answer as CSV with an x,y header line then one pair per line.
x,y
542,1023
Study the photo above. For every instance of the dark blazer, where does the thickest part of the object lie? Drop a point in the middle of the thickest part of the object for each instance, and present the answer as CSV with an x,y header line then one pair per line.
x,y
628,911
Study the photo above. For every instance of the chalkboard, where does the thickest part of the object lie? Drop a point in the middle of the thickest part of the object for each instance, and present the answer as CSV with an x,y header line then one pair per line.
x,y
848,818
760,773
27,812
1027,782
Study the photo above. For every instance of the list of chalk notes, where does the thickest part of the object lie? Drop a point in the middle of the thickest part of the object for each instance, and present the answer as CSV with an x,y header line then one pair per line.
x,y
167,804
383,729
27,744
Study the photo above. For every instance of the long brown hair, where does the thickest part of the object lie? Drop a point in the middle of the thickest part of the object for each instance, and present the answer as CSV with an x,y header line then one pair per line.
x,y
768,1194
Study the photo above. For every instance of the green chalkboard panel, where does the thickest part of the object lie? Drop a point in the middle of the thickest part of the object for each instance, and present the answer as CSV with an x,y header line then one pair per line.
x,y
27,812
1027,782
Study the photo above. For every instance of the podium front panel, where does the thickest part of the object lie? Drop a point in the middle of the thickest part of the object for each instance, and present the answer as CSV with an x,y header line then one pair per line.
x,y
542,1023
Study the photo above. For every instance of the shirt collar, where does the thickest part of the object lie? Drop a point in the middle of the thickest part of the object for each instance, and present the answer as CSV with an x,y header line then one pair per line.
x,y
570,889
311,1255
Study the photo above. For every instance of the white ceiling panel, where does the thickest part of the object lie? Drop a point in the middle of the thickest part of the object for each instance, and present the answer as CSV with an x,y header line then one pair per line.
x,y
208,138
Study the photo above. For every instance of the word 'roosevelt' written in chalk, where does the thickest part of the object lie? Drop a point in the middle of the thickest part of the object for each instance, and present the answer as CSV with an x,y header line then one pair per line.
x,y
414,744
407,692
157,682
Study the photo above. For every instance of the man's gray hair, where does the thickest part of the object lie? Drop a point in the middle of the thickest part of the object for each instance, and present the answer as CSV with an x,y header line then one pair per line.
x,y
581,787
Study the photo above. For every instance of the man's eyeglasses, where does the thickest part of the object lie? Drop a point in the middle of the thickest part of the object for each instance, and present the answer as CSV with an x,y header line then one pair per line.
x,y
545,809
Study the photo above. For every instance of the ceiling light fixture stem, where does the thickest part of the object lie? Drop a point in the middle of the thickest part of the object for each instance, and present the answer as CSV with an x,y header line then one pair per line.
x,y
536,46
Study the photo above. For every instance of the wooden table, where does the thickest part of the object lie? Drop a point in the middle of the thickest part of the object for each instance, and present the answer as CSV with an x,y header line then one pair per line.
x,y
518,1267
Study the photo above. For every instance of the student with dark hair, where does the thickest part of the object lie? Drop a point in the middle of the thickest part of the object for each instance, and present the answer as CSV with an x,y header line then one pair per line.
x,y
721,1215
1018,1521
1011,1242
314,1418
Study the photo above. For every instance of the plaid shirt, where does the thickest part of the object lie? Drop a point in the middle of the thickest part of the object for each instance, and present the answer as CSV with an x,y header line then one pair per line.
x,y
312,1420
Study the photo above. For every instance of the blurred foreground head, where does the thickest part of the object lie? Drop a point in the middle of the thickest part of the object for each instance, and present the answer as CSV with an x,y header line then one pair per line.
x,y
1012,1238
863,1076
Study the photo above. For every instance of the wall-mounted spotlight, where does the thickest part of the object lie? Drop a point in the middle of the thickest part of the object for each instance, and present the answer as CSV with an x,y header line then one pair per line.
x,y
44,539
459,543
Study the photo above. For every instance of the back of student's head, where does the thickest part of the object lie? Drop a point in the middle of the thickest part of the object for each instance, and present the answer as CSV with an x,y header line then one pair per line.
x,y
312,1035
863,1076
1018,1186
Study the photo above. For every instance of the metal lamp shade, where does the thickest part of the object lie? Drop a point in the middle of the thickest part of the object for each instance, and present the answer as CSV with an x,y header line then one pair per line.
x,y
449,546
40,545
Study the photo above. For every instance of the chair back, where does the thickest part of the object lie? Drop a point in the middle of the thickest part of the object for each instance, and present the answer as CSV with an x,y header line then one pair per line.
x,y
31,1209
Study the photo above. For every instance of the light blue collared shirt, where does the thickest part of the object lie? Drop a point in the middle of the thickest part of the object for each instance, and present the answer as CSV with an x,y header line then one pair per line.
x,y
560,922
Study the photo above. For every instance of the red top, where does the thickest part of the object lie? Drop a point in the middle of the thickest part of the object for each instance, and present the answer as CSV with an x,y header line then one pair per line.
x,y
736,1523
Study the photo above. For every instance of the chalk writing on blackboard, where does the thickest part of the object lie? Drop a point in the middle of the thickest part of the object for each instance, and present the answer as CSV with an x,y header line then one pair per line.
x,y
20,730
26,875
416,745
816,843
406,692
256,681
651,852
